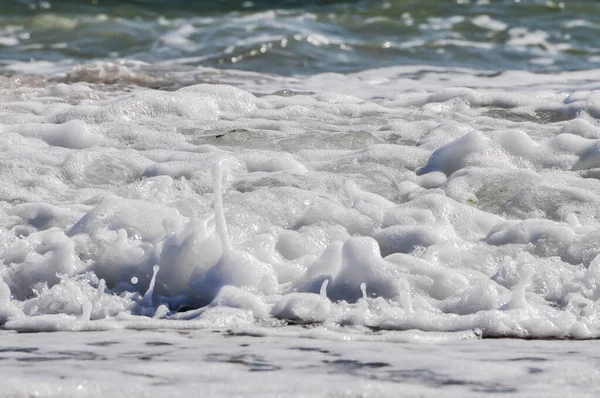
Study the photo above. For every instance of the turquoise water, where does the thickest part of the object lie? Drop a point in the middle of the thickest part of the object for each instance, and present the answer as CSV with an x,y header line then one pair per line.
x,y
306,37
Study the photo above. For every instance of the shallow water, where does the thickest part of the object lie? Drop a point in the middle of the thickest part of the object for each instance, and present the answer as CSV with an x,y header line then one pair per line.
x,y
312,363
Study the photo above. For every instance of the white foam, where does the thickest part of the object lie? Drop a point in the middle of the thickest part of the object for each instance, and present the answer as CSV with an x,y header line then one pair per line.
x,y
486,22
377,200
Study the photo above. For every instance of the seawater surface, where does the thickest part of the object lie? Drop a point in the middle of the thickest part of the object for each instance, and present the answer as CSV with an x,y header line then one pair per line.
x,y
296,363
343,182
290,37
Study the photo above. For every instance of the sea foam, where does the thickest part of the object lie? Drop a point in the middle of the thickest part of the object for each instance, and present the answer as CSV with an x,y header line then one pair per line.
x,y
377,199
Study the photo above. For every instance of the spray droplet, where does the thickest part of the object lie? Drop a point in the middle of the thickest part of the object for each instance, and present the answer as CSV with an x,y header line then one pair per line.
x,y
147,300
518,297
134,280
363,289
101,287
323,291
98,296
86,310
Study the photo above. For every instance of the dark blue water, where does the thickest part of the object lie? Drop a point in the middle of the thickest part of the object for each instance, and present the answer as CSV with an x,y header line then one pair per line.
x,y
290,37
